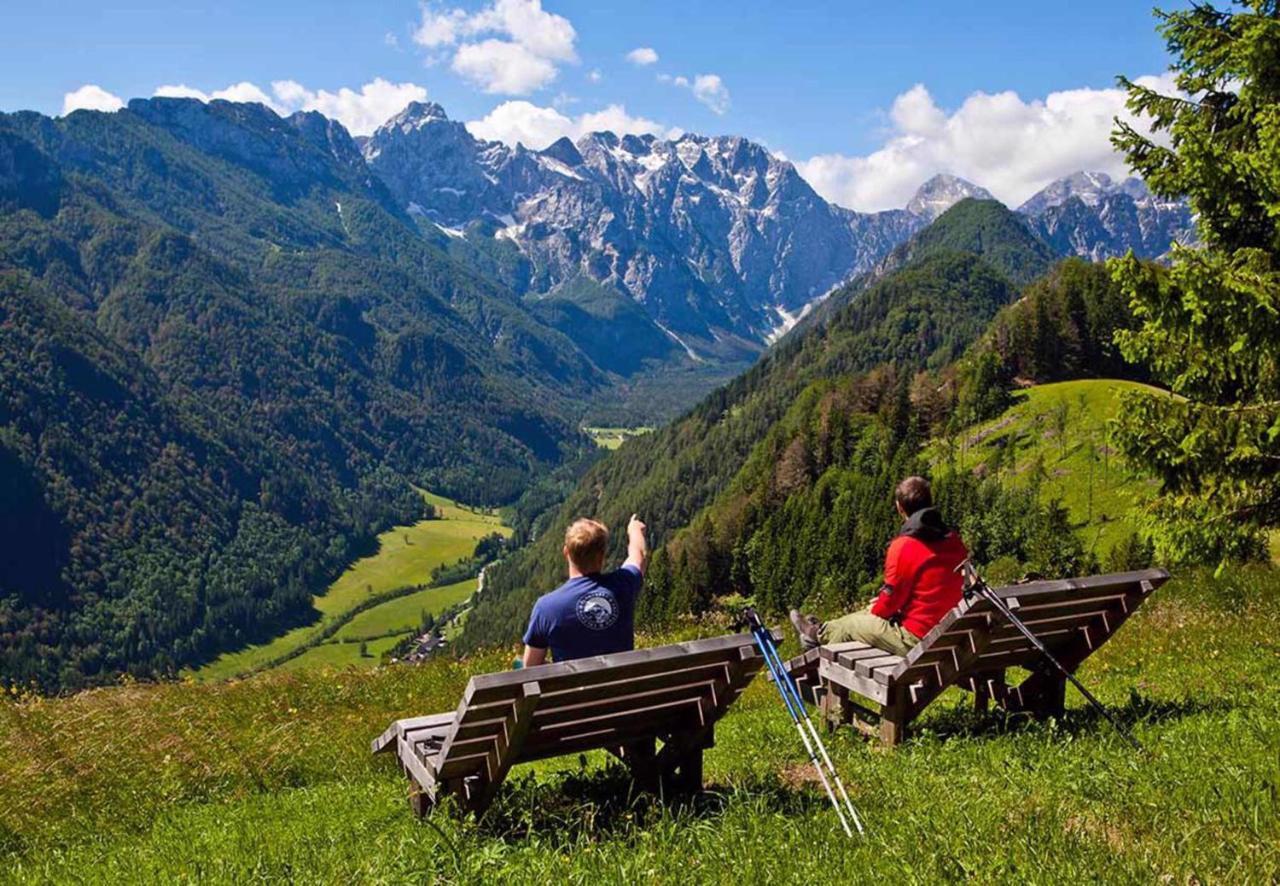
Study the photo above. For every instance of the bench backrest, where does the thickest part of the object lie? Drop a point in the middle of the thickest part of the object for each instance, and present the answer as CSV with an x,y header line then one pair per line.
x,y
1063,614
600,702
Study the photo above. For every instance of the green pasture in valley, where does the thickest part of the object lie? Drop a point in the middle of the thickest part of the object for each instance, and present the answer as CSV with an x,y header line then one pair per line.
x,y
405,557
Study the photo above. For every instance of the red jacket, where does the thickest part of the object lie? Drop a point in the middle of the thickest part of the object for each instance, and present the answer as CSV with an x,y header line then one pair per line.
x,y
920,581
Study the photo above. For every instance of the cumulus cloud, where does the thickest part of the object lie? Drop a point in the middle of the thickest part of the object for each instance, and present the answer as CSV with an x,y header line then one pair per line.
x,y
706,88
711,91
236,92
536,127
1010,146
499,66
91,97
642,55
594,75
360,111
511,47
179,90
244,92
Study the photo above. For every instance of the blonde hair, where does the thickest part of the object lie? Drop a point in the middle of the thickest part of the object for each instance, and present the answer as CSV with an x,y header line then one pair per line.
x,y
585,541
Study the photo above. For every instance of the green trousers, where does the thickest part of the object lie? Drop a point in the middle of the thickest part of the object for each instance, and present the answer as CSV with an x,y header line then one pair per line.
x,y
863,627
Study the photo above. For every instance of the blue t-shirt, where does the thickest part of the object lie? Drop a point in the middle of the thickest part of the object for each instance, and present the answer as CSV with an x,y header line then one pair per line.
x,y
588,615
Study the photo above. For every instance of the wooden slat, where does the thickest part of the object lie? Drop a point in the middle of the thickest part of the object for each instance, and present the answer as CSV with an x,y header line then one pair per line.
x,y
417,768
585,671
509,745
867,667
836,673
929,686
634,685
620,729
1037,593
849,659
1031,613
604,706
833,651
388,738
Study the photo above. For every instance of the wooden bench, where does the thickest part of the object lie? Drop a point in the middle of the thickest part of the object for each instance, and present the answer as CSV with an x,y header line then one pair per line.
x,y
973,645
624,703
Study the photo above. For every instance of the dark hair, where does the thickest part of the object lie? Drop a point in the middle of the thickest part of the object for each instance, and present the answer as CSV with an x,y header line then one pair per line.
x,y
913,494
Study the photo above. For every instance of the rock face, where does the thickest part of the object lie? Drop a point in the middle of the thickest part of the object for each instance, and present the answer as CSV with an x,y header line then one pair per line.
x,y
719,240
1090,215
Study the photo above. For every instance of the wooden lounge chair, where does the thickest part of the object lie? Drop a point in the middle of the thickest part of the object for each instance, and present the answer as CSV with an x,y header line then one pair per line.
x,y
623,703
881,694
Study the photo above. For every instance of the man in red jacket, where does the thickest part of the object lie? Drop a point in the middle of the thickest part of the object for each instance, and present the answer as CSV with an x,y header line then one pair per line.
x,y
920,582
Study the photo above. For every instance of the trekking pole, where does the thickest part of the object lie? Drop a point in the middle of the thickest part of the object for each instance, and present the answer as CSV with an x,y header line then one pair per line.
x,y
975,585
800,717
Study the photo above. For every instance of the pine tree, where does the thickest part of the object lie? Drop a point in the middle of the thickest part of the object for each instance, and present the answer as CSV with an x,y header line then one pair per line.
x,y
1209,327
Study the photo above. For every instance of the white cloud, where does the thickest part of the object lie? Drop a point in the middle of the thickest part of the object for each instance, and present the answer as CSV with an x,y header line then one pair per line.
x,y
497,66
707,88
1009,146
642,55
180,90
594,75
246,92
536,127
91,97
361,112
711,91
522,46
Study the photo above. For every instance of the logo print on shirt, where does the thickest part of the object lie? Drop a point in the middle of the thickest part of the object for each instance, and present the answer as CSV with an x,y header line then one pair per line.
x,y
598,611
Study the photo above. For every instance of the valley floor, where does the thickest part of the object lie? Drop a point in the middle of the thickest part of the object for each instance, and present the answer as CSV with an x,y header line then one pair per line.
x,y
404,558
270,780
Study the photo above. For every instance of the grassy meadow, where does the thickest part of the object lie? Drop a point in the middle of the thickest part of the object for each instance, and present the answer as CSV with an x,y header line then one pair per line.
x,y
1077,467
404,558
269,779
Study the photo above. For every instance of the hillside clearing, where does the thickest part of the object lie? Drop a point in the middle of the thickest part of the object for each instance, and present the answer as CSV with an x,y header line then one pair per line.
x,y
1103,497
270,779
612,438
404,558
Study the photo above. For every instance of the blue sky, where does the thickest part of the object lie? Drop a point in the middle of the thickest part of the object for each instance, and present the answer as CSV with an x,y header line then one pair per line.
x,y
848,91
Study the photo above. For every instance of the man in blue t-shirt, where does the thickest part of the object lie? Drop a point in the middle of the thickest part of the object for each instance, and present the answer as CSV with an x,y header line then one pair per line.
x,y
593,613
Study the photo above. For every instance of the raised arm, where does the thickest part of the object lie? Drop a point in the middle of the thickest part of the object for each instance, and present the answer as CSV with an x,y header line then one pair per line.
x,y
637,546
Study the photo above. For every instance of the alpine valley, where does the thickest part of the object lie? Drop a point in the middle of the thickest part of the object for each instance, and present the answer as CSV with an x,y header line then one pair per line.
x,y
230,342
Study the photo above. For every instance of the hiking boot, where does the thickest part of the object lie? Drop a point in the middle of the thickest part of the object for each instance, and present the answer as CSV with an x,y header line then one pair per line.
x,y
809,629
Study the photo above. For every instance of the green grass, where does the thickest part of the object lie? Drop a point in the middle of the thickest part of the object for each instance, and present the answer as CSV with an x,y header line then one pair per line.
x,y
338,655
1101,494
405,613
405,557
612,438
270,779
382,627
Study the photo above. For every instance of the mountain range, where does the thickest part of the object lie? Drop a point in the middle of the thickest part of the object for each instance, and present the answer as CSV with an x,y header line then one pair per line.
x,y
231,341
722,242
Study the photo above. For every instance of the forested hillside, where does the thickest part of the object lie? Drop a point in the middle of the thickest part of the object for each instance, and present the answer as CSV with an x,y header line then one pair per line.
x,y
226,355
919,317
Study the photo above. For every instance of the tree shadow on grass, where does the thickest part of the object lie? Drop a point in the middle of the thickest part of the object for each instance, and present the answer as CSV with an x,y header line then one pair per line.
x,y
1076,721
603,802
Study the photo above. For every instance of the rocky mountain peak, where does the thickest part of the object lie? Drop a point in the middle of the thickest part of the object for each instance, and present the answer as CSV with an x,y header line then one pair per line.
x,y
941,192
1089,187
418,114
